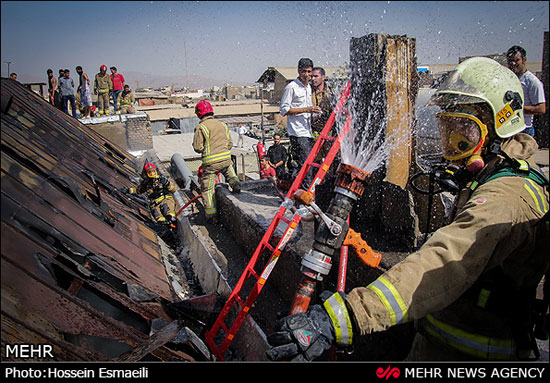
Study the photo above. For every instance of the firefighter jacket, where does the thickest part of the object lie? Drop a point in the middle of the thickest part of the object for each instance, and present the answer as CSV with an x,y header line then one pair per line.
x,y
103,83
127,99
212,140
157,189
469,286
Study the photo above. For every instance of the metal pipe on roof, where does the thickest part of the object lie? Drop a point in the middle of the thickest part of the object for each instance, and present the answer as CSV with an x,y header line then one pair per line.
x,y
181,170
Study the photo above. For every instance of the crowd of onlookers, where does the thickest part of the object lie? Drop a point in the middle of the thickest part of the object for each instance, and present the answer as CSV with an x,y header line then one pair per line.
x,y
110,90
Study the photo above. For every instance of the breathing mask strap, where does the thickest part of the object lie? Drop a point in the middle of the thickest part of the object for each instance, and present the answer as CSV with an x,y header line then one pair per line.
x,y
495,147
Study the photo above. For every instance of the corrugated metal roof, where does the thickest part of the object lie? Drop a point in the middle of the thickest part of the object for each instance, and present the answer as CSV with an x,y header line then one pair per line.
x,y
81,270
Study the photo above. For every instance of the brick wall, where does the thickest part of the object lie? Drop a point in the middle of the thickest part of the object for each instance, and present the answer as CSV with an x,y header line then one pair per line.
x,y
130,132
138,132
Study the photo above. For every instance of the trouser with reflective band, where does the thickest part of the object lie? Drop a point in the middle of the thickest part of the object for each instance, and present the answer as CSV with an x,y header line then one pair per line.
x,y
208,181
163,209
474,345
103,101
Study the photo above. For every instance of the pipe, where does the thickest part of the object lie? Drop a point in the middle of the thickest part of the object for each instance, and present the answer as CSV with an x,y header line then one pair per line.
x,y
188,203
181,169
330,234
242,162
342,267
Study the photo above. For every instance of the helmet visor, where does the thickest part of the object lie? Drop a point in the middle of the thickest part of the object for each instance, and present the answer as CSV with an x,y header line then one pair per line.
x,y
152,172
461,134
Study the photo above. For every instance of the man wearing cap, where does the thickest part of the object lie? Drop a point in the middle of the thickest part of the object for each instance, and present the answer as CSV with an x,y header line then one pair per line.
x,y
213,141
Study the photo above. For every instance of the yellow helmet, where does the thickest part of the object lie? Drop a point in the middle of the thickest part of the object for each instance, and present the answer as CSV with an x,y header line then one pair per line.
x,y
483,80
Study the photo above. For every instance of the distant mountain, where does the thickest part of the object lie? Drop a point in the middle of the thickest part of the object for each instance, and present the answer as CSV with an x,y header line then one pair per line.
x,y
146,80
155,81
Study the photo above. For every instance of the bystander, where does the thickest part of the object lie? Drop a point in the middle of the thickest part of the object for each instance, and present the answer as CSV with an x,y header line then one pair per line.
x,y
277,155
85,93
266,171
296,105
533,90
118,87
66,86
52,86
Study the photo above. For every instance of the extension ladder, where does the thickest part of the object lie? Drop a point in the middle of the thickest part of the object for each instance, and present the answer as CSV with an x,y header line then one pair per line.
x,y
243,305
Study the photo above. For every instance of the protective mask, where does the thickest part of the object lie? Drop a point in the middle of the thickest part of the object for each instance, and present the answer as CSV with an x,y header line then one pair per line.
x,y
462,137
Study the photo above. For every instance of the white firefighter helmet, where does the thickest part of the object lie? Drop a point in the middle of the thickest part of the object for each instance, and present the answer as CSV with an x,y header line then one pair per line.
x,y
483,80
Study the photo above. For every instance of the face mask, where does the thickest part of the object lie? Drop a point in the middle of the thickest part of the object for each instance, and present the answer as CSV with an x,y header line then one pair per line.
x,y
462,138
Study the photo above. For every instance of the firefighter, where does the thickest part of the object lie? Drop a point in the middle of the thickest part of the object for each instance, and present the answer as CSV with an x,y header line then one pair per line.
x,y
159,190
102,86
213,141
127,100
470,288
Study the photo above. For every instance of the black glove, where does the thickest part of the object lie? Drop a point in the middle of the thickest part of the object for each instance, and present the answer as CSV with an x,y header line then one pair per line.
x,y
128,190
302,337
306,336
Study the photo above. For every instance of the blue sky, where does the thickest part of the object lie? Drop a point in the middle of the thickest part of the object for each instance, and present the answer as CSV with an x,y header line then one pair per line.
x,y
234,42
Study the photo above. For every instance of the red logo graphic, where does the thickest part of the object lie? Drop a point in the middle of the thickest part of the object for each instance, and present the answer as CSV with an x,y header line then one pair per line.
x,y
388,372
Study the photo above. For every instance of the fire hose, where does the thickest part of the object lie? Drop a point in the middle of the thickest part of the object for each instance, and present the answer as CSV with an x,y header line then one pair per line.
x,y
333,233
188,203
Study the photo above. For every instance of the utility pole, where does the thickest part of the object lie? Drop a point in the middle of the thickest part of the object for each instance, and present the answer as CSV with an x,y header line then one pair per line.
x,y
185,57
8,62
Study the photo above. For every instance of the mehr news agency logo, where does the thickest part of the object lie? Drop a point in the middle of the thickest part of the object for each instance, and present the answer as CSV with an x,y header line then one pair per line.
x,y
494,372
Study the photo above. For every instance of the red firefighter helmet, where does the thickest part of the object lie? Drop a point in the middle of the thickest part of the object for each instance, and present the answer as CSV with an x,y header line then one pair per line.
x,y
203,107
103,67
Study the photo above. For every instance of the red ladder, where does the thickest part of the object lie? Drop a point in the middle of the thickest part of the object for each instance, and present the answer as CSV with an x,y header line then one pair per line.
x,y
243,305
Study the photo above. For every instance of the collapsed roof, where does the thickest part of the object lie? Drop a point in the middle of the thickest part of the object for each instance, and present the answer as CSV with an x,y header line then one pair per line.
x,y
81,269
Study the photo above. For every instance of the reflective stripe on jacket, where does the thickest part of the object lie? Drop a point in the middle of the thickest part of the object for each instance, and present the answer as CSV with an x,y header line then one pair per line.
x,y
478,346
103,82
495,228
213,140
157,189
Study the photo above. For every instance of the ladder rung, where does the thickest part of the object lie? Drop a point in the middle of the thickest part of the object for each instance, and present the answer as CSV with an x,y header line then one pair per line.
x,y
314,164
268,246
254,273
239,300
285,220
224,327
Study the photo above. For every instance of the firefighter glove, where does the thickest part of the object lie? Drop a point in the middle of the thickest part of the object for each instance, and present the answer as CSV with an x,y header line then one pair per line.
x,y
306,336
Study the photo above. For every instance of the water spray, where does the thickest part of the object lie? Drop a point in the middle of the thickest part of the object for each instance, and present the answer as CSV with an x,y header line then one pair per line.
x,y
332,233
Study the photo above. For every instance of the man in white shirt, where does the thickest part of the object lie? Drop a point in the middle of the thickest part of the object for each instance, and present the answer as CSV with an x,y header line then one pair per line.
x,y
241,130
297,105
533,90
